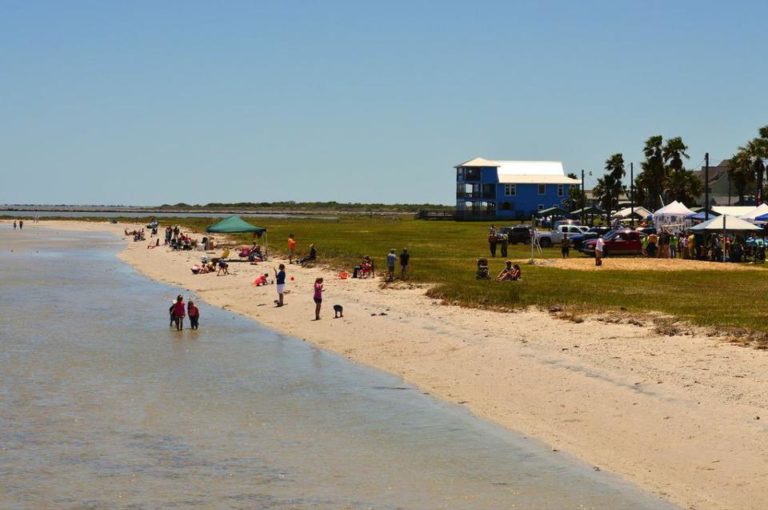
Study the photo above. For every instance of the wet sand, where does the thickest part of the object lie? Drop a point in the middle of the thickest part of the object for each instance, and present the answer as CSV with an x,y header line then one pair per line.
x,y
682,416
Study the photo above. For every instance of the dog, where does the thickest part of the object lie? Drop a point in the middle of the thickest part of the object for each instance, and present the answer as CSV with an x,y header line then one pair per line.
x,y
338,311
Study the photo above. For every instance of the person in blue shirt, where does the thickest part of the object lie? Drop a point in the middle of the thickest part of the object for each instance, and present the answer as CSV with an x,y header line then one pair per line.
x,y
391,260
280,281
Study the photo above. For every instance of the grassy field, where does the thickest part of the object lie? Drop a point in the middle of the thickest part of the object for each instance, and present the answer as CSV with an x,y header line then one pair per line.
x,y
444,253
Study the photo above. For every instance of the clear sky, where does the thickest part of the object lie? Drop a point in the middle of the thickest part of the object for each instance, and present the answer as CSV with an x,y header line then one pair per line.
x,y
151,102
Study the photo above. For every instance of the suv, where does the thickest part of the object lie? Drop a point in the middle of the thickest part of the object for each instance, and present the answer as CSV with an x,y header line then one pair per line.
x,y
548,238
517,234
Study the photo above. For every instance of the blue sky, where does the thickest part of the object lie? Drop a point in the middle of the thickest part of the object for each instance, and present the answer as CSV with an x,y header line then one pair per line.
x,y
147,102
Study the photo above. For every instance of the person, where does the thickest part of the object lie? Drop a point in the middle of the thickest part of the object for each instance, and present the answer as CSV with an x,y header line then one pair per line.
x,y
21,224
318,297
509,273
517,273
291,248
599,247
492,240
179,313
261,280
405,258
170,313
312,255
14,224
565,246
223,268
391,258
504,241
653,241
280,281
194,314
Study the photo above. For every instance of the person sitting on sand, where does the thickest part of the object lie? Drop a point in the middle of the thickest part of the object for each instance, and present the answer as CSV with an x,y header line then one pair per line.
x,y
311,256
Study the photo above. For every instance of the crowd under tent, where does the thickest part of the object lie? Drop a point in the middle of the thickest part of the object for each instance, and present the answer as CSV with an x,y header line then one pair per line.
x,y
673,216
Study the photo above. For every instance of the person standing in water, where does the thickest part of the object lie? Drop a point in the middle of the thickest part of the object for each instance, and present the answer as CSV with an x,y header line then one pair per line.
x,y
194,314
179,313
318,297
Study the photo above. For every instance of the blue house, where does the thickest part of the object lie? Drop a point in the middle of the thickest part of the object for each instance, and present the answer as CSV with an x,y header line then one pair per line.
x,y
510,189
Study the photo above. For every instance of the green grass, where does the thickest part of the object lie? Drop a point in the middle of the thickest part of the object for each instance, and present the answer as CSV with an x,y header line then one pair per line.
x,y
444,253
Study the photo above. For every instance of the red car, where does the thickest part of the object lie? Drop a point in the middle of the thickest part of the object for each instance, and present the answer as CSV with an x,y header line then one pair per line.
x,y
616,242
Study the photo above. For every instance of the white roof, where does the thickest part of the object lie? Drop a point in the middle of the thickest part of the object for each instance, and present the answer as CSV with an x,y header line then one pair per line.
x,y
627,212
731,223
525,172
754,213
673,208
733,210
479,162
537,179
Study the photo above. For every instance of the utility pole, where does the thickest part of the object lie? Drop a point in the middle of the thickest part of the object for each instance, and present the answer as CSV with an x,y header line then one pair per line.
x,y
632,193
706,186
583,197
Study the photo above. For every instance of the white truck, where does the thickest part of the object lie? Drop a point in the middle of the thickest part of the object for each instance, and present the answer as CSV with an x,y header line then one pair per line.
x,y
547,238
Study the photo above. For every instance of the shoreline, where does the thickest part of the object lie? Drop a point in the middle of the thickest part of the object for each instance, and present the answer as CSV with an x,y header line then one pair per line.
x,y
676,415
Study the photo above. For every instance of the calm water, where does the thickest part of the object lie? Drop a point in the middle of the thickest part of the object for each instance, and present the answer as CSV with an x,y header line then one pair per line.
x,y
103,406
28,215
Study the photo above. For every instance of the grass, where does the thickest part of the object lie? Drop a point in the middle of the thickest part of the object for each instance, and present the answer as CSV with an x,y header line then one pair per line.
x,y
444,253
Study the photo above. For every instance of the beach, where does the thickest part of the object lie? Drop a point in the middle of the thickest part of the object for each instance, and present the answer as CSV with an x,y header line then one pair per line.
x,y
682,415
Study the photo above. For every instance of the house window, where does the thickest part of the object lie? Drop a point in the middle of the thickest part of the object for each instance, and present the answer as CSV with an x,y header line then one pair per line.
x,y
541,206
560,190
510,190
542,189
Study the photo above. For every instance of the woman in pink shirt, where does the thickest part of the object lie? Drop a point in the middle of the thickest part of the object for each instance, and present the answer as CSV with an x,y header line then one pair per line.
x,y
179,313
318,297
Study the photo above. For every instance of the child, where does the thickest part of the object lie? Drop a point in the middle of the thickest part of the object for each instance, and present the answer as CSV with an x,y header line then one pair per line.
x,y
318,297
179,313
280,281
194,314
338,312
261,280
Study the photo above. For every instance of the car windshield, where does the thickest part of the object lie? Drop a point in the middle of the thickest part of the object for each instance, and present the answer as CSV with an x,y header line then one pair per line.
x,y
611,234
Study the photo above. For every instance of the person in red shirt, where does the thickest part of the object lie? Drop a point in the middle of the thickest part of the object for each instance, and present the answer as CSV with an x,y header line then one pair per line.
x,y
194,314
179,313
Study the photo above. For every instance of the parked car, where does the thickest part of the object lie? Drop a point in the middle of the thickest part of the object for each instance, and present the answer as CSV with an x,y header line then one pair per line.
x,y
548,238
594,232
517,234
616,242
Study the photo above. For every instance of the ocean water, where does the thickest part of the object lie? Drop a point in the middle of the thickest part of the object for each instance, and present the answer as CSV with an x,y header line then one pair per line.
x,y
102,405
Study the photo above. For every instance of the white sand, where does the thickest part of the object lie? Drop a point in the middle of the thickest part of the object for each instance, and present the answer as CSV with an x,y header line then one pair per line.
x,y
676,415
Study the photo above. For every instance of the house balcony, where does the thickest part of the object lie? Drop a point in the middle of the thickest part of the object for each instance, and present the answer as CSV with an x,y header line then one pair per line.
x,y
475,194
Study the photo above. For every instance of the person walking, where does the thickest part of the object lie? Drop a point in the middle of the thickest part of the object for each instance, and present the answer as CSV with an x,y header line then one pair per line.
x,y
194,315
21,224
565,246
318,297
179,313
405,259
599,247
280,283
291,248
504,241
14,224
492,240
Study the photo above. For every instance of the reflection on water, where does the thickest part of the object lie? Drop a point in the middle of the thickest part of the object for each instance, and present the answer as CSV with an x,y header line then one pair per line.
x,y
103,406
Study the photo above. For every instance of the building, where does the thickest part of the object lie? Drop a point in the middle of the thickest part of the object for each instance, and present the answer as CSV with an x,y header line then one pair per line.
x,y
510,189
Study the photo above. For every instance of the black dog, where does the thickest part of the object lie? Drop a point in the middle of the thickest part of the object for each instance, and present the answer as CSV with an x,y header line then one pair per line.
x,y
338,311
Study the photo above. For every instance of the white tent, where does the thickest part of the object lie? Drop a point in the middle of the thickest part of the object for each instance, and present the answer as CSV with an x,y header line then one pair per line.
x,y
725,223
672,216
733,210
754,213
640,212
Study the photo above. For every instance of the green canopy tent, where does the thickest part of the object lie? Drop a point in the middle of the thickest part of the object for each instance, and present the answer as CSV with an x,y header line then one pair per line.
x,y
552,211
237,225
592,210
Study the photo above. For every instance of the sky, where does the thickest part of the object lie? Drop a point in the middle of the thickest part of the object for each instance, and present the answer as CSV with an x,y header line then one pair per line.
x,y
146,102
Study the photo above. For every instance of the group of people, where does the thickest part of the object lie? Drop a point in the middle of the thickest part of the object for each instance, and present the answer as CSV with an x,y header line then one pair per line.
x,y
20,224
178,311
497,239
392,259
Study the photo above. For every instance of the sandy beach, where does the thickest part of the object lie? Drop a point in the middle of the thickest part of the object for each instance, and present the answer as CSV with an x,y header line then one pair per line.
x,y
683,416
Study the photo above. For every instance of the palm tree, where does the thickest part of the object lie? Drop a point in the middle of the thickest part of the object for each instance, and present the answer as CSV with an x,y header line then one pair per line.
x,y
673,153
653,171
756,151
609,187
741,174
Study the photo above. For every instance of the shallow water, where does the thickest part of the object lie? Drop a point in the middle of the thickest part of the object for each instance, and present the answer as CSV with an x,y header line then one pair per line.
x,y
103,406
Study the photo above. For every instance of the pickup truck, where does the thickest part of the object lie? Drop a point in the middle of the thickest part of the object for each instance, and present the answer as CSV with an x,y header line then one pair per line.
x,y
616,242
548,238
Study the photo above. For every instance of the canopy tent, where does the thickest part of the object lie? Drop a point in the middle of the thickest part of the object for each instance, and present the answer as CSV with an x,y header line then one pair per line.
x,y
234,225
672,216
639,212
725,223
592,209
237,225
552,211
762,218
754,213
733,210
702,215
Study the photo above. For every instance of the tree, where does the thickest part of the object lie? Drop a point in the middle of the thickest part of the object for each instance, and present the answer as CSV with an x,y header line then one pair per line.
x,y
652,179
741,174
681,184
609,187
574,195
756,150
